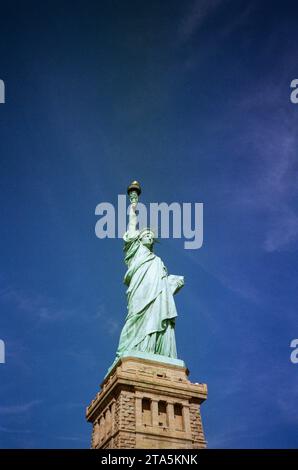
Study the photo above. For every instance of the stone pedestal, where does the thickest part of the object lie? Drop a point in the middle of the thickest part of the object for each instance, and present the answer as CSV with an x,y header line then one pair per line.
x,y
144,404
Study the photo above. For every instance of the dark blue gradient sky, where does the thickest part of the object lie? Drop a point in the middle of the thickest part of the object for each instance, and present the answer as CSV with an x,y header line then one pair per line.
x,y
192,99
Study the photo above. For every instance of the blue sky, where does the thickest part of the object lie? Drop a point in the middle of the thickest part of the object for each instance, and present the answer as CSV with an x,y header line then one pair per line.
x,y
192,99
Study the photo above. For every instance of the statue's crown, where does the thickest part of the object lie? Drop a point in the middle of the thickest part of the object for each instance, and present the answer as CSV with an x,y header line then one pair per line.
x,y
148,229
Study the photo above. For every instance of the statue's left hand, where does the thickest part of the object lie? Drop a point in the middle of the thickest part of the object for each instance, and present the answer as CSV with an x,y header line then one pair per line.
x,y
176,283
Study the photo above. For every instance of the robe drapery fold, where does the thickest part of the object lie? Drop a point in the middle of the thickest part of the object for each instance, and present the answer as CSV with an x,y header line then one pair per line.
x,y
150,321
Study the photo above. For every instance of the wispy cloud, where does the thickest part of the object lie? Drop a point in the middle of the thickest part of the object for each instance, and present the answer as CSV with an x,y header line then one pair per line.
x,y
85,358
15,431
229,279
235,437
275,408
44,309
19,408
110,326
72,438
195,17
273,190
287,403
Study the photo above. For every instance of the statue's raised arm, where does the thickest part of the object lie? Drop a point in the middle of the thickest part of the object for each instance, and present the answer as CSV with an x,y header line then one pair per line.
x,y
133,190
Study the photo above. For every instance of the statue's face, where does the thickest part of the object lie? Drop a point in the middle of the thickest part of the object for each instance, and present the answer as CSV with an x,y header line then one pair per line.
x,y
147,239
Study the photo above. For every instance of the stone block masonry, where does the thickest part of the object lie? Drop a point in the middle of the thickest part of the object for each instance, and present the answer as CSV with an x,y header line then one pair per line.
x,y
145,404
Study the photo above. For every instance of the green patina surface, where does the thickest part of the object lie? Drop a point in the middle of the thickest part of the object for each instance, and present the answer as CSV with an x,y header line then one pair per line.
x,y
150,322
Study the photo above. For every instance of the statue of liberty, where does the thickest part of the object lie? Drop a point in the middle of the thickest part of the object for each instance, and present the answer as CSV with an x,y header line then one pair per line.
x,y
150,322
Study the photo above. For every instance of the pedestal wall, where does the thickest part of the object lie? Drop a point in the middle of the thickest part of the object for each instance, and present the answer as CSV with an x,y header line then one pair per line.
x,y
147,404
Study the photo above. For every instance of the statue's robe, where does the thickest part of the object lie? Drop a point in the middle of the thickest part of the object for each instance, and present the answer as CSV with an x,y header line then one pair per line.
x,y
149,325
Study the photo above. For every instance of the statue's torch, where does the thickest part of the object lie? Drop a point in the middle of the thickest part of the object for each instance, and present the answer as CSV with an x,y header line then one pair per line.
x,y
134,191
